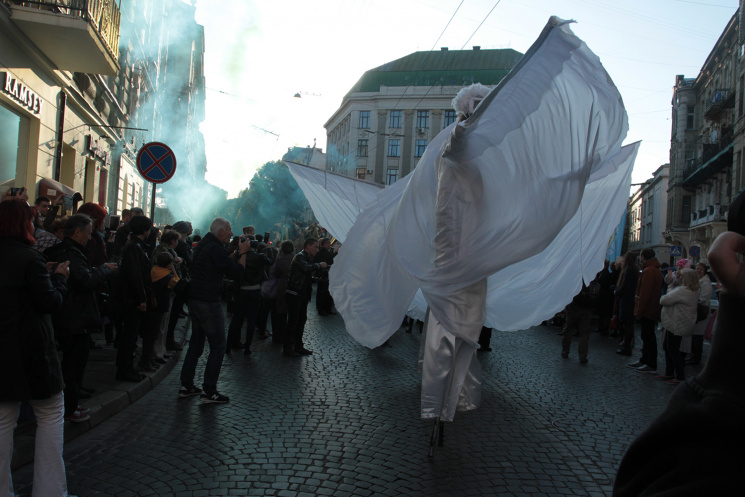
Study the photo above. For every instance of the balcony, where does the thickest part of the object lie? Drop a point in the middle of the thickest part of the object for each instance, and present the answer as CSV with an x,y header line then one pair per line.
x,y
712,214
723,99
716,157
76,35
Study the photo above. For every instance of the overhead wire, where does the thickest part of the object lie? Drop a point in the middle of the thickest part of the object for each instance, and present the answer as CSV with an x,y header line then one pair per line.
x,y
443,70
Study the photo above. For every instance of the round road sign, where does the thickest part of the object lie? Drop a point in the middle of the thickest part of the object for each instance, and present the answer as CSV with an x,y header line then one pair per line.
x,y
156,162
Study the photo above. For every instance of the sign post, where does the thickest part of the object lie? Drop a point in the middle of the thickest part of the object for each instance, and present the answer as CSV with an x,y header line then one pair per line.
x,y
156,162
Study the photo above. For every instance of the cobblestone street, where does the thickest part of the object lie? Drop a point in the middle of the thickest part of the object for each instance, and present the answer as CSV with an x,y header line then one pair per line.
x,y
345,421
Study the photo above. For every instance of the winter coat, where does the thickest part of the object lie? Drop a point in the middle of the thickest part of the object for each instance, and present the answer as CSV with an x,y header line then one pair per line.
x,y
679,310
649,291
281,271
625,293
134,275
80,312
300,281
210,263
28,295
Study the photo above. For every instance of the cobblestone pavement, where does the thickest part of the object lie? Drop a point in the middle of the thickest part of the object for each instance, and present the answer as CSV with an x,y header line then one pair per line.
x,y
345,421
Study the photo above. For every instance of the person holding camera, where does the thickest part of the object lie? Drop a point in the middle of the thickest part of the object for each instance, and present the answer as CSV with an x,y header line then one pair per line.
x,y
211,263
248,298
298,294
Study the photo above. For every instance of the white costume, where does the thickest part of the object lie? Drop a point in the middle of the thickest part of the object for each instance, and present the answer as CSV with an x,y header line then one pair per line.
x,y
504,216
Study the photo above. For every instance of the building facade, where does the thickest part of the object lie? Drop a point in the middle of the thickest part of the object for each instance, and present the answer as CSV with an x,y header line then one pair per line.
x,y
388,118
86,84
647,215
706,147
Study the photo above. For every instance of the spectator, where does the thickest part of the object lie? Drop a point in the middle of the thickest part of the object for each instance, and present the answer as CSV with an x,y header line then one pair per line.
x,y
184,252
298,294
695,446
248,298
702,314
281,272
28,356
578,317
625,290
678,321
164,279
134,283
647,309
211,263
79,315
324,300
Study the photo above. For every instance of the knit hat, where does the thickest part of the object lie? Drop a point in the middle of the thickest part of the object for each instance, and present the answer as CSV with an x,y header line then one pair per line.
x,y
182,227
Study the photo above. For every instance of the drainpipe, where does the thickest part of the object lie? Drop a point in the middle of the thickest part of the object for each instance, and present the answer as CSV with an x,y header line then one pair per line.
x,y
60,132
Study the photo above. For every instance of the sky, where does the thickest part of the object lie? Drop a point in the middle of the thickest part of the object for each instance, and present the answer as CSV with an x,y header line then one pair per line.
x,y
259,54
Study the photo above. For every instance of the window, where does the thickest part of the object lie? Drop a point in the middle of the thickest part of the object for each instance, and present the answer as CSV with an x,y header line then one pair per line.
x,y
690,117
422,119
686,211
396,118
364,119
361,173
742,88
394,148
450,117
10,126
391,177
362,148
419,148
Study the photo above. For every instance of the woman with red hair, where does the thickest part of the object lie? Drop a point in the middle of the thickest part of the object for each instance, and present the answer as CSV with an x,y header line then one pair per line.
x,y
28,296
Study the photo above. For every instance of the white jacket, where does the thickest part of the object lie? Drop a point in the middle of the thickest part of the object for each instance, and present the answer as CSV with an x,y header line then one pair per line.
x,y
679,310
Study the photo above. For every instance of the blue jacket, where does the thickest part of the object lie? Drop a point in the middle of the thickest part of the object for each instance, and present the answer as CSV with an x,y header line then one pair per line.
x,y
210,263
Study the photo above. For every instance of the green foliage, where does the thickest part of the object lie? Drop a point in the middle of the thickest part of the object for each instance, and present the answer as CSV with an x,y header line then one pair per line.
x,y
273,195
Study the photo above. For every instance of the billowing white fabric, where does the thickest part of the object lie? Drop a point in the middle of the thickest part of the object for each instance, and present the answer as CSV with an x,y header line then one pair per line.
x,y
524,194
336,200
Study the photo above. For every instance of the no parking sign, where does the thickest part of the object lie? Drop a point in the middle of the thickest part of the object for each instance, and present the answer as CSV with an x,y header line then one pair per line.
x,y
156,162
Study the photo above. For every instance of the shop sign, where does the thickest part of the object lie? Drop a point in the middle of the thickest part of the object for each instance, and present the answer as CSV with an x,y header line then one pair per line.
x,y
96,151
20,92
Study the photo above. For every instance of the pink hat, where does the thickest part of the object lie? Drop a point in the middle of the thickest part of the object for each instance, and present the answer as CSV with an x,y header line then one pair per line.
x,y
683,263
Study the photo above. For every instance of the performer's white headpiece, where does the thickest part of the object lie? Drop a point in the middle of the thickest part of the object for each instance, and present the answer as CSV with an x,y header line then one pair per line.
x,y
468,98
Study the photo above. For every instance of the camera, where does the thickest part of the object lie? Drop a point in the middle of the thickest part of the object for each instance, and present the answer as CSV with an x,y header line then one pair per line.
x,y
15,191
254,244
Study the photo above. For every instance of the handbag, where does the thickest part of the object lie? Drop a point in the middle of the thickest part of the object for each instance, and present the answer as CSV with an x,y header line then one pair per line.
x,y
269,288
702,312
613,326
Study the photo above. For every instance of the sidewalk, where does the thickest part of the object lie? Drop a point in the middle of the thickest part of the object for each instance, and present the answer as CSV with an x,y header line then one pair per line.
x,y
110,397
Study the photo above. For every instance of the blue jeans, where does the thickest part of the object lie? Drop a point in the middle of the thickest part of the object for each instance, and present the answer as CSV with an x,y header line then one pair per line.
x,y
207,321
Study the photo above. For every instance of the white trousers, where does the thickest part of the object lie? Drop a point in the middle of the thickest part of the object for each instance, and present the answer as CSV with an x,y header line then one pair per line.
x,y
49,468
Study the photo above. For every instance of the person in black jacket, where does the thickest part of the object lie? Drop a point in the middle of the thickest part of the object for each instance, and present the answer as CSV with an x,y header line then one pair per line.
x,y
133,288
324,300
299,290
28,356
79,315
247,300
211,263
184,251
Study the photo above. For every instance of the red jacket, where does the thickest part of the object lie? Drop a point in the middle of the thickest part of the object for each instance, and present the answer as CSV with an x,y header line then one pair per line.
x,y
649,291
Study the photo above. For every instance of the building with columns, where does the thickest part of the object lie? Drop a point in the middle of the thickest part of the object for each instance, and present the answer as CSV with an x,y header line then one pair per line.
x,y
388,118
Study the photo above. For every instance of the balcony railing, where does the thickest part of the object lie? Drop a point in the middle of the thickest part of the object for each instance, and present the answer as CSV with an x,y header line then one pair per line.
x,y
722,99
715,157
45,22
713,213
